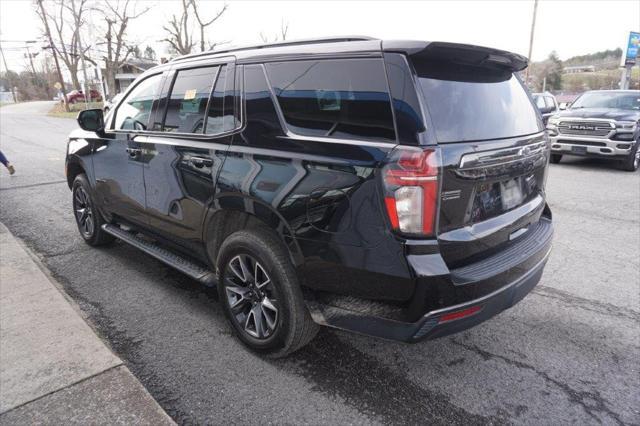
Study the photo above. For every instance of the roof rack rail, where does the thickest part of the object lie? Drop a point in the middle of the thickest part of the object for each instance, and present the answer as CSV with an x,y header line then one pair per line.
x,y
277,44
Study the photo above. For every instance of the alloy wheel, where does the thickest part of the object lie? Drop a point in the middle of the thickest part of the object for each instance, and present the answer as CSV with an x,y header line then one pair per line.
x,y
251,296
83,212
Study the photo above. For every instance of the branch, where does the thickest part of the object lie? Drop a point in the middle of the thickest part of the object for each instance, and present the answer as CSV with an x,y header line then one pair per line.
x,y
212,20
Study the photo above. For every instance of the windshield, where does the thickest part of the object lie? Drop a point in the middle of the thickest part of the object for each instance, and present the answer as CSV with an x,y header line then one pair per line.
x,y
474,103
629,101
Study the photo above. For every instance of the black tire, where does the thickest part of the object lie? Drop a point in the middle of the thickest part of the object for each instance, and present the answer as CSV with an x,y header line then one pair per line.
x,y
292,326
632,162
88,218
555,158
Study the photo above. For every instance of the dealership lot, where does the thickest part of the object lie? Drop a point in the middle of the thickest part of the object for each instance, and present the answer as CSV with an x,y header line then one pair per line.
x,y
567,353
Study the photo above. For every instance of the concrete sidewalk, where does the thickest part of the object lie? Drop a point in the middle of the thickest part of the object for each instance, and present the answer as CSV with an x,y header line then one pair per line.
x,y
53,367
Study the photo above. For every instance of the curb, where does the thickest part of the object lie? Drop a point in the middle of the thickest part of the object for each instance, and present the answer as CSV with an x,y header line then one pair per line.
x,y
54,368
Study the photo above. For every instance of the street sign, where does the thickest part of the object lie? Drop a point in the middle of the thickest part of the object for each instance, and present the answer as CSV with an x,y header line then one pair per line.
x,y
58,85
631,55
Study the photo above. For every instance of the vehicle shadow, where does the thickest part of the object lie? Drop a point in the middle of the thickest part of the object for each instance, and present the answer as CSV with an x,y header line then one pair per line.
x,y
589,163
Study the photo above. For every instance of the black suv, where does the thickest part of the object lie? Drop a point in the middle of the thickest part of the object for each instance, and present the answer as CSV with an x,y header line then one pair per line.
x,y
391,188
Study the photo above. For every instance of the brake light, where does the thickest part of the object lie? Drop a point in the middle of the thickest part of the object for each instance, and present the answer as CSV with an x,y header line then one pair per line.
x,y
411,185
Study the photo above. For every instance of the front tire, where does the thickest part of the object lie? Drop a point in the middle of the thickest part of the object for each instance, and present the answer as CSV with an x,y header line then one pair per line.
x,y
555,158
260,293
88,218
632,162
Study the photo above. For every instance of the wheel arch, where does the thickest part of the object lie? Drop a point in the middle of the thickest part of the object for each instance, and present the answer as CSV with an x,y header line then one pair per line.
x,y
231,213
73,169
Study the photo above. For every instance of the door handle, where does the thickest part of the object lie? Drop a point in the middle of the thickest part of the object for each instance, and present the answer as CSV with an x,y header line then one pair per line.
x,y
201,162
133,152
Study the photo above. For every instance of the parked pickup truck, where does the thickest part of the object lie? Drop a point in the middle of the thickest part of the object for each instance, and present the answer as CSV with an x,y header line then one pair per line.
x,y
600,123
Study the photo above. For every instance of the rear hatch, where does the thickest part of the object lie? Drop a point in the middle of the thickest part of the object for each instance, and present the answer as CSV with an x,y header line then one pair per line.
x,y
493,149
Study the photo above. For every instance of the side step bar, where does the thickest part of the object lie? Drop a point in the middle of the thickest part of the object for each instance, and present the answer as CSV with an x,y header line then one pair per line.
x,y
187,267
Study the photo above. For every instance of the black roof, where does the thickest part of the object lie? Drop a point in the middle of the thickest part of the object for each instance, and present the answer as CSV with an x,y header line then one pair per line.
x,y
362,45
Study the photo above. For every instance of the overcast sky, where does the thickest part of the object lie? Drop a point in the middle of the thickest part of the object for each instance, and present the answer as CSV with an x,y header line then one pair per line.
x,y
568,27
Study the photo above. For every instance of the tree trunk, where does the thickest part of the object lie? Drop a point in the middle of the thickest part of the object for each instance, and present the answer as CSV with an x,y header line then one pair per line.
x,y
110,76
75,82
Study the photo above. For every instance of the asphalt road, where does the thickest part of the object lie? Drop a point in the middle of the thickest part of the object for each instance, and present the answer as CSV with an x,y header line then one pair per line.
x,y
568,353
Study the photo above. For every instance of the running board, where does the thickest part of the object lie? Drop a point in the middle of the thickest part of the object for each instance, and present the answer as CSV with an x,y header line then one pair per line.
x,y
187,267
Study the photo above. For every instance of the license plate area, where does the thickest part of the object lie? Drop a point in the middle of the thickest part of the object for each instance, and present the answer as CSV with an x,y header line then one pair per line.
x,y
577,149
495,198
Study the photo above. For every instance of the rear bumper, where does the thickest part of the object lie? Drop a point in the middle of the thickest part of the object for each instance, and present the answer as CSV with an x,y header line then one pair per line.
x,y
451,319
432,324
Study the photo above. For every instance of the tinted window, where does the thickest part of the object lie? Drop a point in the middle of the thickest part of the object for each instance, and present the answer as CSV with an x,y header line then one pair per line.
x,y
336,98
262,118
220,115
188,100
474,103
133,112
406,105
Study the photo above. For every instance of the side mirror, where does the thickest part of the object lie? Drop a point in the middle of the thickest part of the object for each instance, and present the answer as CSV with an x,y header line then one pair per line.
x,y
562,106
91,120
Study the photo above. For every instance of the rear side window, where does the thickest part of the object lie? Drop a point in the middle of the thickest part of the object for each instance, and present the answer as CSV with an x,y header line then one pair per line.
x,y
188,100
469,103
133,112
220,116
346,98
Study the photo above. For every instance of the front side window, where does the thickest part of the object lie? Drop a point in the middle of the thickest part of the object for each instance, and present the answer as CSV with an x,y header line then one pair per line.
x,y
342,98
188,100
550,103
133,112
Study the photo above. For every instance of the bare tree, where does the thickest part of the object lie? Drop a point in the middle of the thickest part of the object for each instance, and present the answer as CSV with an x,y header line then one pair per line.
x,y
47,32
178,31
117,15
66,34
284,29
203,24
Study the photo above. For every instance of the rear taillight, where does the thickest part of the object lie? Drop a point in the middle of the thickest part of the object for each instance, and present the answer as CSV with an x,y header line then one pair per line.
x,y
411,190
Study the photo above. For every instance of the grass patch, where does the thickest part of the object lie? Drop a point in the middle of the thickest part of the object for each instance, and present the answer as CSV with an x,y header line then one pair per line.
x,y
59,111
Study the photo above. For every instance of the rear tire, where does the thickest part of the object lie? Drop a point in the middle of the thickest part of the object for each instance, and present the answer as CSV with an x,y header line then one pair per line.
x,y
88,218
555,158
258,284
632,162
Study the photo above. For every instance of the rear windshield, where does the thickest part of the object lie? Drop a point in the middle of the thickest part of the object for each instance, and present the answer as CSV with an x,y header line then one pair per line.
x,y
472,103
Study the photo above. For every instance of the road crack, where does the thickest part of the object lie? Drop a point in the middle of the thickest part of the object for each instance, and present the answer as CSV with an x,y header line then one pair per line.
x,y
33,185
587,304
591,402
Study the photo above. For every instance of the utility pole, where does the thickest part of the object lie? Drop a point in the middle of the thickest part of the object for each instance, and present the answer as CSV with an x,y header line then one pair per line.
x,y
533,28
92,47
13,92
55,56
33,68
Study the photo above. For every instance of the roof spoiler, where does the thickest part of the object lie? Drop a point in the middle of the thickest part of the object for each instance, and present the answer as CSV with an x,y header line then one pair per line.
x,y
464,54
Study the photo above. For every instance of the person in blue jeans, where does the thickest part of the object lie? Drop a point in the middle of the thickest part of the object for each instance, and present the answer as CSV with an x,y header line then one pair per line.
x,y
7,164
